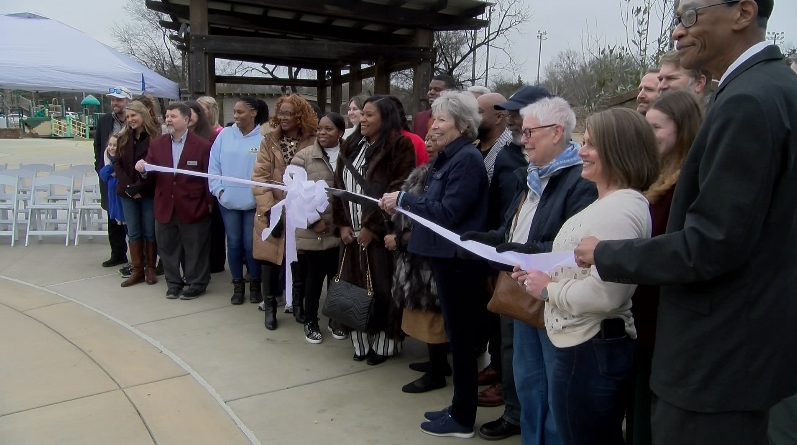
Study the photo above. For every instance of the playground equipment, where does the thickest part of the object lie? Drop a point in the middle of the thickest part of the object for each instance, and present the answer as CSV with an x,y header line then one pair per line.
x,y
68,127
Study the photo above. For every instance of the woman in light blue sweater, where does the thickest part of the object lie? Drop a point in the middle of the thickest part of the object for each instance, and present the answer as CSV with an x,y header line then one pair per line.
x,y
233,154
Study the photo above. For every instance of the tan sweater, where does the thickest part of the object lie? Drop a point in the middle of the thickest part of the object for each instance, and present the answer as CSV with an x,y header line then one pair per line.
x,y
578,300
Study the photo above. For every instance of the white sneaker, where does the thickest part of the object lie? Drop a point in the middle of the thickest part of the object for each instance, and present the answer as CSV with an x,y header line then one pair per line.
x,y
337,334
262,306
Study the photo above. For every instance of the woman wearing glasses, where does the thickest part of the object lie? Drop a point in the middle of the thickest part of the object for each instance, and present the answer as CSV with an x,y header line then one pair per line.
x,y
291,129
554,192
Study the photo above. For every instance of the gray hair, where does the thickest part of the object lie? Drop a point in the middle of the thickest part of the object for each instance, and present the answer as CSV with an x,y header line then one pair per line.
x,y
553,111
478,89
463,107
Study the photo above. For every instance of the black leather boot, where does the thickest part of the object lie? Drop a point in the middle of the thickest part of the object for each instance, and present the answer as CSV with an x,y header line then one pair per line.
x,y
299,272
255,294
238,291
270,303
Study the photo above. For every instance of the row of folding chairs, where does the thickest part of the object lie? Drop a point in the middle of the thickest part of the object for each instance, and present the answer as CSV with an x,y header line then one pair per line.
x,y
58,204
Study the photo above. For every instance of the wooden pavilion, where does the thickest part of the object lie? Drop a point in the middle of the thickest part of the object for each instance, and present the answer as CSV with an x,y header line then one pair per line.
x,y
328,36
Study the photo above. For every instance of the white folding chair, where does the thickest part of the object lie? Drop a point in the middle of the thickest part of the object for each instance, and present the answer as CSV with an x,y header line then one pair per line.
x,y
24,187
3,167
38,167
8,205
81,167
90,219
45,213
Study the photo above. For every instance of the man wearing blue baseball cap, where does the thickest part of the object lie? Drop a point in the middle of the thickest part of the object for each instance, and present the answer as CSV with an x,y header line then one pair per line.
x,y
107,125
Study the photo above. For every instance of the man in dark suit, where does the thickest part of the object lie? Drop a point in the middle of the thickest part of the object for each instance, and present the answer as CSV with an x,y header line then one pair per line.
x,y
107,125
726,342
183,204
423,120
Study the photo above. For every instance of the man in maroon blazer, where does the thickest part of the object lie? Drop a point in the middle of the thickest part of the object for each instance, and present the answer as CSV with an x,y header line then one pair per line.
x,y
183,204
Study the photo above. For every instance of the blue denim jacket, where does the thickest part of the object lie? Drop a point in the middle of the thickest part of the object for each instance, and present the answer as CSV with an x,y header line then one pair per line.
x,y
455,196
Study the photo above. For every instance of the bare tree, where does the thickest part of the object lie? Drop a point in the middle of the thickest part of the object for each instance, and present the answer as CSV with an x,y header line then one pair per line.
x,y
460,55
143,38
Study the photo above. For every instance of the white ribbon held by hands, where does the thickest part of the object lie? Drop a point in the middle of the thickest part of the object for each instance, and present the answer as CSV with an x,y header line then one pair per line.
x,y
304,202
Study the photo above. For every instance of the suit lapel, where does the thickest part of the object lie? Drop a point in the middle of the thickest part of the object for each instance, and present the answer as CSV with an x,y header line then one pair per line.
x,y
769,53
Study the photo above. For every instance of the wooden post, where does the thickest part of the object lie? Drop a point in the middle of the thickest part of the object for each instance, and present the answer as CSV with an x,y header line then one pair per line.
x,y
422,72
321,90
337,91
356,82
198,78
382,78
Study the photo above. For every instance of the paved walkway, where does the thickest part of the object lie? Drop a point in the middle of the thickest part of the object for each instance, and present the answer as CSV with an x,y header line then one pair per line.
x,y
87,362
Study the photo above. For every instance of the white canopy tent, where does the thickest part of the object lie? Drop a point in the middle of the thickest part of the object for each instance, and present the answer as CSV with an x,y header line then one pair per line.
x,y
39,54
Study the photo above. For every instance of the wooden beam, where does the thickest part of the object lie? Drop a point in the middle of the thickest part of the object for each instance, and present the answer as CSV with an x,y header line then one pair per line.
x,y
338,51
374,13
269,81
279,61
422,74
281,26
439,5
336,91
321,90
371,71
198,67
355,79
382,78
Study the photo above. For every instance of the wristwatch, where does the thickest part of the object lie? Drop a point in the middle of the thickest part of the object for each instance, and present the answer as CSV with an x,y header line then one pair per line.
x,y
544,294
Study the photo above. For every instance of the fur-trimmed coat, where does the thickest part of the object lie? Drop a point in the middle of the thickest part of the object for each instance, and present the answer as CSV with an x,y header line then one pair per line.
x,y
414,287
387,166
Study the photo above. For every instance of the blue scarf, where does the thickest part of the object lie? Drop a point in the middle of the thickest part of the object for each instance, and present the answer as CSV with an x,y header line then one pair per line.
x,y
567,158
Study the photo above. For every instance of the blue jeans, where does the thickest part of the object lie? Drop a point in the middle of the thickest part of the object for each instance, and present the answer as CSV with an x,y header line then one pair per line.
x,y
588,390
140,218
239,225
533,364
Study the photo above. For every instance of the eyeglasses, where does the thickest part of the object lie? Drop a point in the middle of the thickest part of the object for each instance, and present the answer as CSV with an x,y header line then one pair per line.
x,y
527,132
689,17
114,90
285,114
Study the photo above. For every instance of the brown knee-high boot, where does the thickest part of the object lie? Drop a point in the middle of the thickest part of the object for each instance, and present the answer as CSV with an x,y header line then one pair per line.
x,y
152,255
137,259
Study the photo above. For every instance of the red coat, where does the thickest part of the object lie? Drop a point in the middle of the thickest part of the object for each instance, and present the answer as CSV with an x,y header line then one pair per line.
x,y
421,123
189,196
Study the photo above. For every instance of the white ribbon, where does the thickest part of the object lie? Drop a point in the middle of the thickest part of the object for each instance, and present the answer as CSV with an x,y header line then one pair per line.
x,y
306,200
303,204
544,262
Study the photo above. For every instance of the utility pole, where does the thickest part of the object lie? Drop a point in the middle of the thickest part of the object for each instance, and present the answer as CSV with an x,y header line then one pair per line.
x,y
487,37
541,35
776,36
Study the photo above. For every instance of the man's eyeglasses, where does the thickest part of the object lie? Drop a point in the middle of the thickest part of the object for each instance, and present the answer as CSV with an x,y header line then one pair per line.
x,y
527,132
689,17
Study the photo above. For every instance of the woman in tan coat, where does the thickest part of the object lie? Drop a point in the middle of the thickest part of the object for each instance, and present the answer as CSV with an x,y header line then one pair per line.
x,y
317,244
292,128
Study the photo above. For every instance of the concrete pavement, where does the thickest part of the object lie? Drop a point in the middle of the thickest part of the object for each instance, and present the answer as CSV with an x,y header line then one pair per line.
x,y
84,361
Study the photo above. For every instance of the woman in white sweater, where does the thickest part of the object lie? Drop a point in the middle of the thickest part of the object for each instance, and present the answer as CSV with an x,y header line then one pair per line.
x,y
589,320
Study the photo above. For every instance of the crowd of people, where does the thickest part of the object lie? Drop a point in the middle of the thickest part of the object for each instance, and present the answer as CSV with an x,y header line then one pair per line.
x,y
674,325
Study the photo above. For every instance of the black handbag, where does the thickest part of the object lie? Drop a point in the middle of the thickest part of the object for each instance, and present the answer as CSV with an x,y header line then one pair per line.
x,y
349,304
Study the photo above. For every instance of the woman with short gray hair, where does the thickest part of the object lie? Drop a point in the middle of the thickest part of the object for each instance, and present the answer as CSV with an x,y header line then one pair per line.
x,y
454,196
554,192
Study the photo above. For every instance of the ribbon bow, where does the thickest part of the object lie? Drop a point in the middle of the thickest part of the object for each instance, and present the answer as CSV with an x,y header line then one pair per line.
x,y
304,202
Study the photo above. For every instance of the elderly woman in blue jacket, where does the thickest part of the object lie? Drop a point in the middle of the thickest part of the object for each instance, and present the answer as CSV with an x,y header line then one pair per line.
x,y
454,196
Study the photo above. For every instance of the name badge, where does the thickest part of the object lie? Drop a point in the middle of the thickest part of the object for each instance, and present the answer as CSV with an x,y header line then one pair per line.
x,y
191,163
254,150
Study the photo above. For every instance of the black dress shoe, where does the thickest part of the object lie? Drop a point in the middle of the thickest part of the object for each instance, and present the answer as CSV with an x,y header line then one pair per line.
x,y
360,358
427,382
192,293
424,367
375,359
498,430
174,292
114,261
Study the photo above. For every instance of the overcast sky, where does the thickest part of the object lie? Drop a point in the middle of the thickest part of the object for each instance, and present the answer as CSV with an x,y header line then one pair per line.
x,y
567,22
